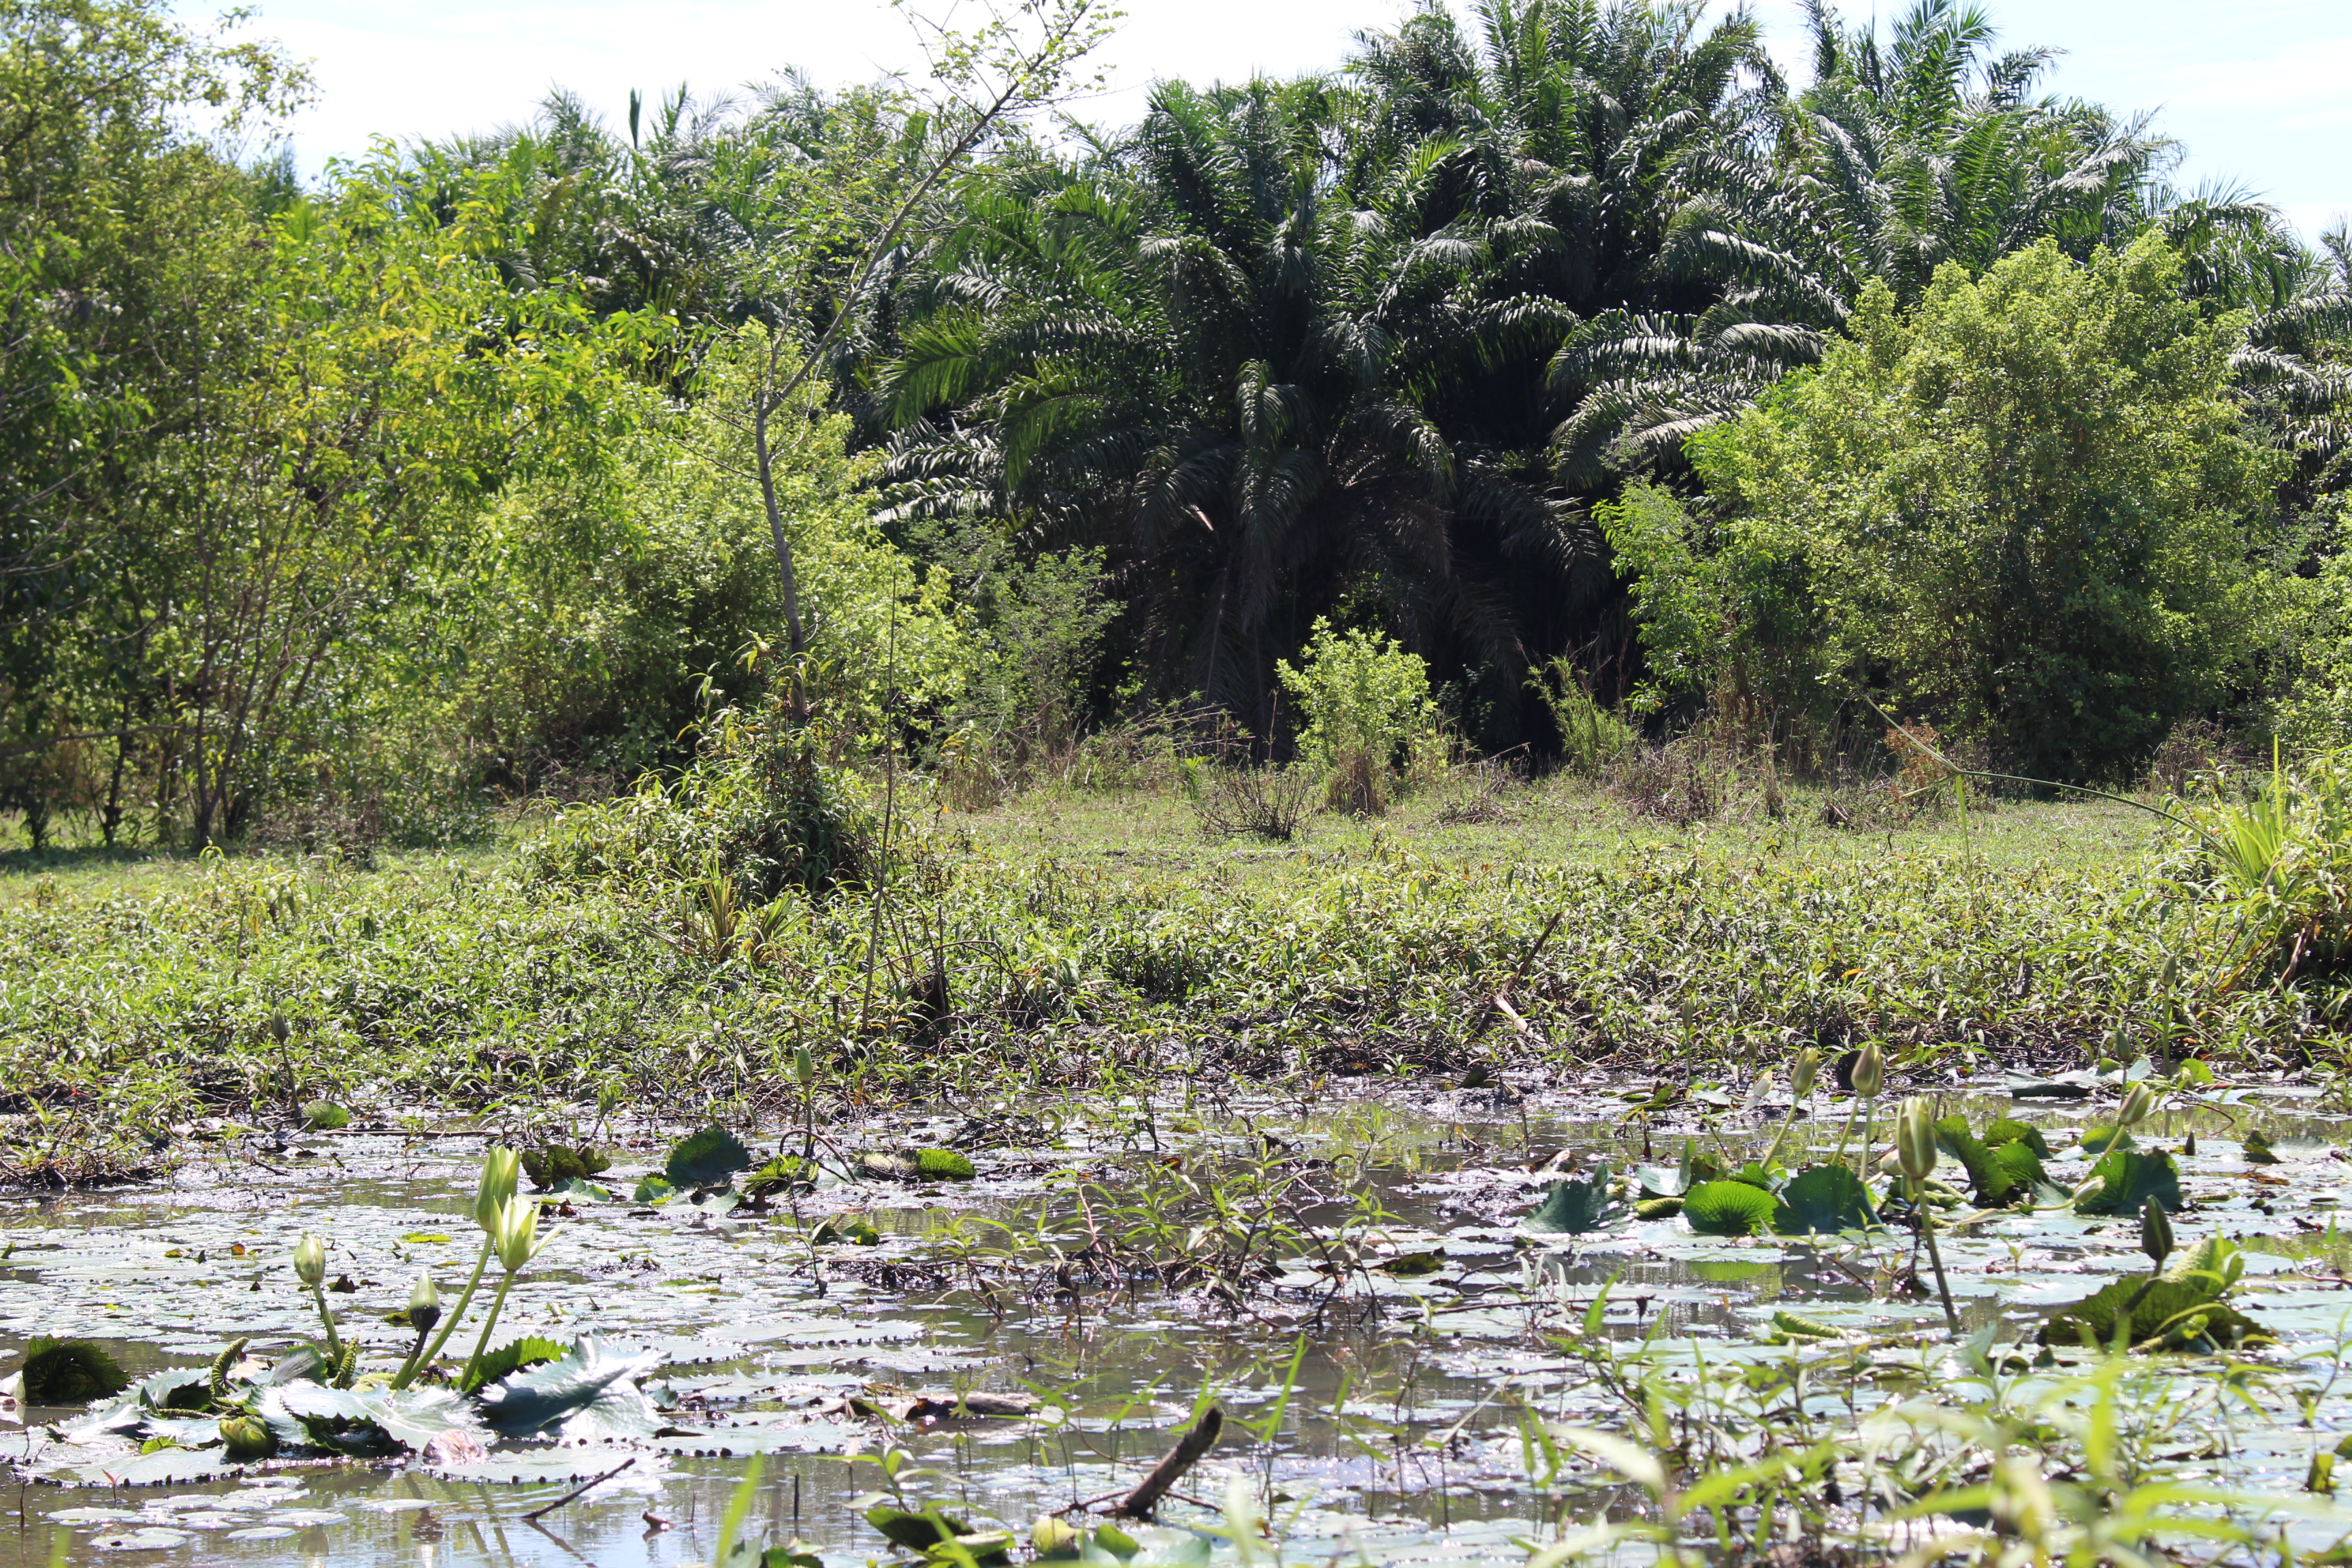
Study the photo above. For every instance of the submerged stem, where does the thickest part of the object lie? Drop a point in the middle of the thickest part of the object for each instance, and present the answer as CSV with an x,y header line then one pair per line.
x,y
417,1363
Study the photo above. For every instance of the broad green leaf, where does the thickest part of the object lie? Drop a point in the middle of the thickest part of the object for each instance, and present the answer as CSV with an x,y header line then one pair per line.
x,y
513,1357
2123,1181
2187,1314
942,1165
590,1393
324,1116
1728,1208
2009,1130
70,1371
1573,1207
705,1158
1824,1198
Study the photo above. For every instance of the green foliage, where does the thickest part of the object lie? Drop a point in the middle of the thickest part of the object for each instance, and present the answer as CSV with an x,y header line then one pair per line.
x,y
705,1158
2124,1181
1824,1198
1369,715
69,1371
1573,1207
553,1164
2024,507
1728,1208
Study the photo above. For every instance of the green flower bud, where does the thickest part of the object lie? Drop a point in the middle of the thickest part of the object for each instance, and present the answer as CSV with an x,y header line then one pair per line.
x,y
246,1438
516,1237
310,1260
1803,1071
501,1168
1915,1139
2156,1232
2135,1107
804,1065
1869,1071
423,1303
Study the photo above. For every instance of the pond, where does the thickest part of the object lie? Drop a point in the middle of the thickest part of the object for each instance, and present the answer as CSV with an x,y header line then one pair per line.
x,y
1352,1282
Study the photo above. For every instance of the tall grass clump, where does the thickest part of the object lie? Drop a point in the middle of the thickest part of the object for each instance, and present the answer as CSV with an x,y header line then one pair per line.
x,y
2273,866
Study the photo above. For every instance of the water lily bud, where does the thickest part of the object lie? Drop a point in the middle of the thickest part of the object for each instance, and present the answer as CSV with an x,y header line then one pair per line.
x,y
1915,1139
516,1237
245,1439
2156,1232
423,1303
1869,1071
804,1065
310,1260
1803,1071
2136,1105
500,1169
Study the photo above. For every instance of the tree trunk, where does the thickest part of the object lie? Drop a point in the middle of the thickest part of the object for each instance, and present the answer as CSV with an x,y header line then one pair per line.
x,y
764,403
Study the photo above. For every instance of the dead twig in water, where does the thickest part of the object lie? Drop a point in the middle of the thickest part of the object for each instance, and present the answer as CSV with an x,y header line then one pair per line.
x,y
587,1486
1170,1469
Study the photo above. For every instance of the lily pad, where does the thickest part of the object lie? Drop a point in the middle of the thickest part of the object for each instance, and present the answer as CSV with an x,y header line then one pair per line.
x,y
942,1165
553,1164
2150,1314
1728,1208
2124,1181
70,1371
512,1357
2009,1130
705,1158
1573,1207
325,1116
590,1393
847,1229
656,1190
1824,1198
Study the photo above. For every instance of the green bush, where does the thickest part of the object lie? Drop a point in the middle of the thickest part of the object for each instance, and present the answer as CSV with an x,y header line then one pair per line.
x,y
2024,511
762,804
1369,719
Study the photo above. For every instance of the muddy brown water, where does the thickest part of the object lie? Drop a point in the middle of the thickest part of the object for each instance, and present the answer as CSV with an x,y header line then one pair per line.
x,y
1398,1437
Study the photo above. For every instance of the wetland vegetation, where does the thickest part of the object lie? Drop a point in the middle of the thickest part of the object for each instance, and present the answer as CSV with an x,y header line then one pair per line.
x,y
1547,803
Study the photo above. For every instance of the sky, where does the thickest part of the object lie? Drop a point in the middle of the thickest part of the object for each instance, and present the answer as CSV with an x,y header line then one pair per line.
x,y
2258,90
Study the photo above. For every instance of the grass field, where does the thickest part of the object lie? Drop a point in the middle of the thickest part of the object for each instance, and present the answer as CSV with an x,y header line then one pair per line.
x,y
1066,939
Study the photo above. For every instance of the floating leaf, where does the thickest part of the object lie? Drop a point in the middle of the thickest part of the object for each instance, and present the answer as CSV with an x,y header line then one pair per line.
x,y
1657,1208
512,1357
1824,1198
2102,1140
575,1187
1413,1265
848,1229
2258,1151
1789,1326
2079,1085
1573,1207
590,1393
656,1190
1728,1208
370,1420
2009,1130
942,1165
2123,1181
783,1173
324,1116
2170,1314
552,1165
70,1371
706,1158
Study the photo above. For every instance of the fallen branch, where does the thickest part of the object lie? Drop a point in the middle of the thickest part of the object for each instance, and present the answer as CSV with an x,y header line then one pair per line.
x,y
586,1485
1170,1469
